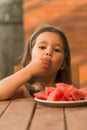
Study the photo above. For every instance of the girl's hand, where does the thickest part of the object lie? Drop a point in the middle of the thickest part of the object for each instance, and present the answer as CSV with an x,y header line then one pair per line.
x,y
40,66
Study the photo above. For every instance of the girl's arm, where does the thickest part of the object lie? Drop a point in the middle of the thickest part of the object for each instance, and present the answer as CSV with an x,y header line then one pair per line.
x,y
22,92
11,84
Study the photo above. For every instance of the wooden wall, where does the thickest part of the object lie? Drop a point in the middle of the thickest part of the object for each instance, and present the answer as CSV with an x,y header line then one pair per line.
x,y
11,36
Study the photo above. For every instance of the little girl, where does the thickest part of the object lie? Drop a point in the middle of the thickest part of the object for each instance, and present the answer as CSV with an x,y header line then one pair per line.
x,y
46,61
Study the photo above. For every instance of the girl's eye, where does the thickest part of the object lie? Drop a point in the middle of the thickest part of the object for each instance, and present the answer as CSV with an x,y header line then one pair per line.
x,y
42,47
56,50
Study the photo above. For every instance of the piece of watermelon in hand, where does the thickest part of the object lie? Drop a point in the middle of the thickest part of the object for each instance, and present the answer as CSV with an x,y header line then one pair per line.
x,y
41,95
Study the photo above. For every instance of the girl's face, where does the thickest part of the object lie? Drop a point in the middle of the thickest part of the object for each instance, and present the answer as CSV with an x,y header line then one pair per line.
x,y
51,45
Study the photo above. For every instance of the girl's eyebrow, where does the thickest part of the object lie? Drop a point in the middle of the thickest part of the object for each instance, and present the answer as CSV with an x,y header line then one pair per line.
x,y
42,42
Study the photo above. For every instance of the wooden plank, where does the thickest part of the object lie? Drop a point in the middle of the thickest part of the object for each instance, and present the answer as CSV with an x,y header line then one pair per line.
x,y
3,106
75,74
76,118
48,118
18,115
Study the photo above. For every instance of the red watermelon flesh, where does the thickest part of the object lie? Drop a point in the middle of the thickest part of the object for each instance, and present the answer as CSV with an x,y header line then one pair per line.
x,y
48,90
41,95
83,92
62,92
58,93
71,93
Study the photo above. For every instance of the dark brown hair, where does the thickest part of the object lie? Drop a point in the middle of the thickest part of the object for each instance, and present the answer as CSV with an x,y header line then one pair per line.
x,y
62,75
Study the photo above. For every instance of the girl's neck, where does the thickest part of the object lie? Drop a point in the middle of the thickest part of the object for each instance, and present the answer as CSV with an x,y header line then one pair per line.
x,y
47,82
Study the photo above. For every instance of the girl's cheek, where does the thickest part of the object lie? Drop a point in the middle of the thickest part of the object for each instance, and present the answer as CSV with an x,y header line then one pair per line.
x,y
58,62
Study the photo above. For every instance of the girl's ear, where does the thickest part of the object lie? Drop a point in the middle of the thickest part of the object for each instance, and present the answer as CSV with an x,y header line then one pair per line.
x,y
63,65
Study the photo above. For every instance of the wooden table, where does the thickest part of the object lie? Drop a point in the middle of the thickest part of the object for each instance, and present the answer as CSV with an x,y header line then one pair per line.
x,y
26,114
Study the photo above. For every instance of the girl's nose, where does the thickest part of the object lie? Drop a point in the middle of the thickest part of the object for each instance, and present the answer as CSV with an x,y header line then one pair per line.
x,y
49,54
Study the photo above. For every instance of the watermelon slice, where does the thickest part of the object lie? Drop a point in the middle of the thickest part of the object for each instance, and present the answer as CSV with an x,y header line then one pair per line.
x,y
48,90
41,95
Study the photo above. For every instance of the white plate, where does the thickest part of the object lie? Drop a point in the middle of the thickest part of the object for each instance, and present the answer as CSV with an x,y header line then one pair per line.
x,y
62,103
